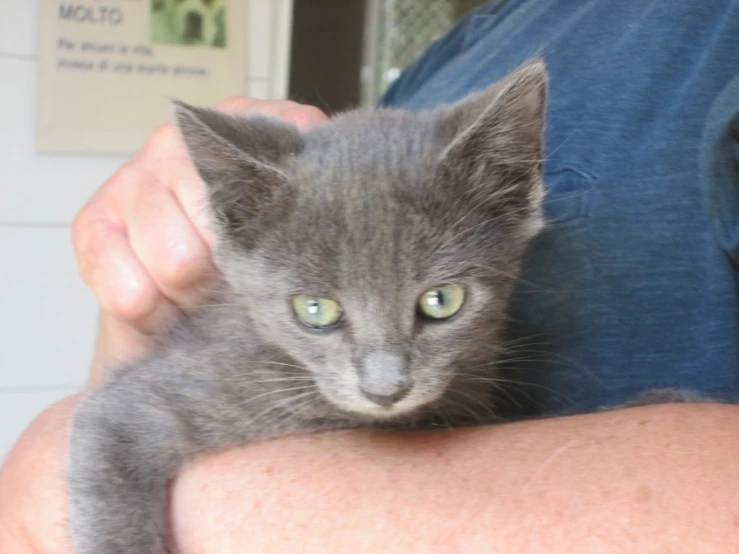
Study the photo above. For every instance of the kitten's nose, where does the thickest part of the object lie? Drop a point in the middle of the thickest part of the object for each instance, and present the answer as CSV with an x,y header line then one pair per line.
x,y
387,400
384,378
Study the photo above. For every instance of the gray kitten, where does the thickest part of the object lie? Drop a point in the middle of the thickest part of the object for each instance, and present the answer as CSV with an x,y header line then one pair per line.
x,y
367,266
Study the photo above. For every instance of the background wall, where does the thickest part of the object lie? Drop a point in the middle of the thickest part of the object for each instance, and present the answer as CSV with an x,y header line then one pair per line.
x,y
47,317
326,55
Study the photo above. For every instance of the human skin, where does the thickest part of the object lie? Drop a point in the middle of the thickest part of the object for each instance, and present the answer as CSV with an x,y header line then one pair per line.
x,y
649,479
143,241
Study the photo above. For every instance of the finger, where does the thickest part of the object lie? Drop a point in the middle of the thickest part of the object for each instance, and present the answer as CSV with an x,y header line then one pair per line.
x,y
185,183
118,280
238,105
302,115
168,164
167,244
190,192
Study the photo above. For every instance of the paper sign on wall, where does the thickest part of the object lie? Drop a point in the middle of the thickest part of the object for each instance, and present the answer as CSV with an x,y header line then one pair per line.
x,y
109,68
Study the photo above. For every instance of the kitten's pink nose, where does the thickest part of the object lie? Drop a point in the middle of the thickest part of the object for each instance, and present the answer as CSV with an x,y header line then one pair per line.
x,y
384,378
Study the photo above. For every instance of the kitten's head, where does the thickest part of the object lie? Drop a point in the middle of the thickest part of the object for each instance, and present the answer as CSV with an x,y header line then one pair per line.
x,y
379,250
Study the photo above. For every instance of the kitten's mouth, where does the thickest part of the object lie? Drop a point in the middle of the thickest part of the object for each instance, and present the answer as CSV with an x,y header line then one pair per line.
x,y
382,399
411,403
380,413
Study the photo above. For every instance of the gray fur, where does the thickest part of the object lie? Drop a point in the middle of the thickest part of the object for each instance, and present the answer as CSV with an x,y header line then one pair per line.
x,y
371,209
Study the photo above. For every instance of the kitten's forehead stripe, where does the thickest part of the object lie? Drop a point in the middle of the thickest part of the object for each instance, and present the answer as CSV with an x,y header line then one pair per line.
x,y
380,209
390,146
367,160
371,213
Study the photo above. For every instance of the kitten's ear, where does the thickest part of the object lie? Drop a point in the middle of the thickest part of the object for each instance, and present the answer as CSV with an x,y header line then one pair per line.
x,y
240,159
496,137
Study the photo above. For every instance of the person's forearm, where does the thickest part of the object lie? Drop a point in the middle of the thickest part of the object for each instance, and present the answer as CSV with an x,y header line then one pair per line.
x,y
33,493
650,479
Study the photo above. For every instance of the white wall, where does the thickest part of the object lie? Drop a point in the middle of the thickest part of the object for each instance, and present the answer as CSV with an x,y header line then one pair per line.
x,y
47,317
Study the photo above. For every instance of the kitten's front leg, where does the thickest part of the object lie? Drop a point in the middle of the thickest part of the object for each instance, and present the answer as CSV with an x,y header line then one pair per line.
x,y
126,445
130,438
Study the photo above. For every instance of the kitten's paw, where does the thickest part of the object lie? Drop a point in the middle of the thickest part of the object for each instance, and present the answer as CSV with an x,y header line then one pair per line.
x,y
120,461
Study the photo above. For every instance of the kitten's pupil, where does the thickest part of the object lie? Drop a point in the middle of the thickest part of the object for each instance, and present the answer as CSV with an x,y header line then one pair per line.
x,y
436,299
442,302
315,311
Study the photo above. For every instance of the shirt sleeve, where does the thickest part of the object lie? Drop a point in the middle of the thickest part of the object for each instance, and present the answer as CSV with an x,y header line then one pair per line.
x,y
720,168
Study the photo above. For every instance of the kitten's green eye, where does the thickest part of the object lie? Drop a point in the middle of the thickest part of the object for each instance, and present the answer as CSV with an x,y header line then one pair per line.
x,y
316,312
442,302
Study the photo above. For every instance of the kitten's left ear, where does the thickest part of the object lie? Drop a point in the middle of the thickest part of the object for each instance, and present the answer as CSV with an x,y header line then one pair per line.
x,y
241,160
496,137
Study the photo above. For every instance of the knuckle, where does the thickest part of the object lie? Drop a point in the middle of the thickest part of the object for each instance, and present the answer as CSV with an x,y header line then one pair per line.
x,y
163,137
237,103
99,204
90,249
80,227
135,304
86,243
304,115
306,111
185,266
120,180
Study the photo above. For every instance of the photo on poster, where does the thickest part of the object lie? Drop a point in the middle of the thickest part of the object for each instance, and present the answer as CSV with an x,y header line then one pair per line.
x,y
188,22
108,70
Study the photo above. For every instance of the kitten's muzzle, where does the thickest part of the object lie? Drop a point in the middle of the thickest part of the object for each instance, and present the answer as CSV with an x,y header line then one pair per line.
x,y
384,378
387,399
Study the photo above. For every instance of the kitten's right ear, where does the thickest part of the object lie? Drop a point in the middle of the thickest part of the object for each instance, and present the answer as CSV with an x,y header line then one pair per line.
x,y
240,159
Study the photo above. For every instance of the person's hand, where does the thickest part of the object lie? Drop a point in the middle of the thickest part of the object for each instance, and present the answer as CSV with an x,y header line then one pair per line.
x,y
143,242
143,245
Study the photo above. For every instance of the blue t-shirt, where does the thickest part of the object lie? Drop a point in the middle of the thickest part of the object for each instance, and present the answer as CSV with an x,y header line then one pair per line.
x,y
634,284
